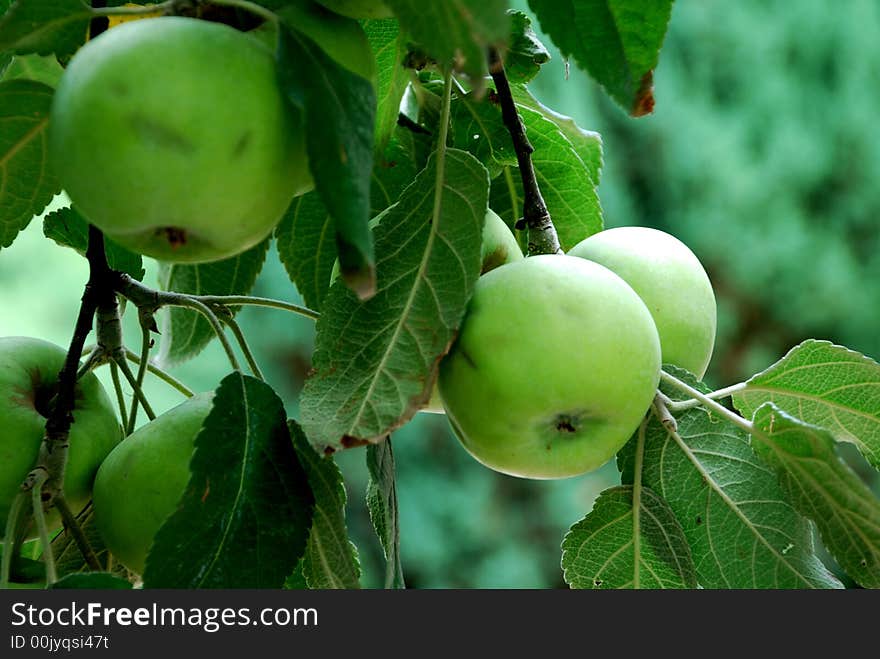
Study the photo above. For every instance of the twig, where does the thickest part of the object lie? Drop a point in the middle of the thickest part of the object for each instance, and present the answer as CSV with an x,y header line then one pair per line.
x,y
76,531
707,402
120,398
543,238
146,344
11,548
43,531
243,344
162,375
682,405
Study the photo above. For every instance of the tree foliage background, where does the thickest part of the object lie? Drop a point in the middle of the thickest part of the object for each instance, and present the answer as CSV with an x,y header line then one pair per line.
x,y
760,155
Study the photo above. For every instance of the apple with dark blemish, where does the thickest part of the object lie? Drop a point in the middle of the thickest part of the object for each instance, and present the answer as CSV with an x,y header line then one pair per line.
x,y
173,137
29,370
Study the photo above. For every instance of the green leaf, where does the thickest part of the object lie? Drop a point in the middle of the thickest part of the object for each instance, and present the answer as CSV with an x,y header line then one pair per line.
x,y
45,27
382,504
70,229
456,31
28,182
822,487
244,519
185,332
477,128
616,41
566,183
331,560
45,69
526,53
339,108
375,362
389,50
825,385
606,549
305,238
741,529
307,248
587,143
91,581
397,168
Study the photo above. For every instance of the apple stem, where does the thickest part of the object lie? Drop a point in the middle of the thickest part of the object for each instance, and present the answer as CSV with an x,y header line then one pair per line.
x,y
711,405
543,238
682,405
43,531
146,343
120,400
73,527
230,322
12,545
662,404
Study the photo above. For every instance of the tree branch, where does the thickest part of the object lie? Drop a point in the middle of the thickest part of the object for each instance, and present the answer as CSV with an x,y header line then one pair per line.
x,y
536,218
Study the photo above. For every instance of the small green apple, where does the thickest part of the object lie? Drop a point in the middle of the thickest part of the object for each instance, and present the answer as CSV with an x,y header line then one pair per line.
x,y
673,284
499,247
28,381
554,367
140,483
172,136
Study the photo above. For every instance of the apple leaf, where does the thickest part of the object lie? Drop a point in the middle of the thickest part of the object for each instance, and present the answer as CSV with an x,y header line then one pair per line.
x,y
244,519
615,547
457,31
396,169
384,514
825,385
306,247
91,581
339,108
69,228
822,487
526,53
375,362
567,183
45,69
45,27
185,332
331,560
28,183
587,143
616,41
389,49
477,127
741,529
305,234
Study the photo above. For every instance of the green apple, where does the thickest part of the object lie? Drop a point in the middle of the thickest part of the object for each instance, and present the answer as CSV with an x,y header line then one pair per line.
x,y
172,136
358,8
498,248
554,367
28,381
673,284
140,483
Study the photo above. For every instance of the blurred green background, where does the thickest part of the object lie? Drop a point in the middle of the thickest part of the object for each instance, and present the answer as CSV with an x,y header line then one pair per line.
x,y
761,155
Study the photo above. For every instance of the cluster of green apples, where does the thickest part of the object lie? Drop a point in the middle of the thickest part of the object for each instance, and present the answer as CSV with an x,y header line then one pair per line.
x,y
558,358
134,484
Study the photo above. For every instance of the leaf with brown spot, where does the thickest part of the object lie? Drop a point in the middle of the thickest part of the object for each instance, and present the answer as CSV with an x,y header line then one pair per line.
x,y
616,41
